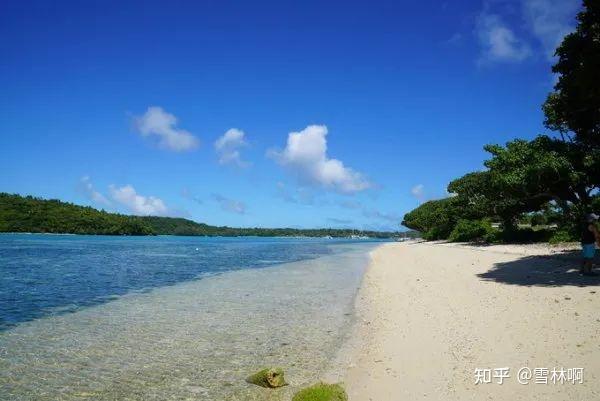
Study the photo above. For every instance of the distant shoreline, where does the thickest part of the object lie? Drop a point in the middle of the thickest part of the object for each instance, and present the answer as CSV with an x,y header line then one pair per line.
x,y
28,214
383,239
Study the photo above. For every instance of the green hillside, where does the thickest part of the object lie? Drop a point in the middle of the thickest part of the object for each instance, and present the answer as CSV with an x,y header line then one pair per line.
x,y
36,215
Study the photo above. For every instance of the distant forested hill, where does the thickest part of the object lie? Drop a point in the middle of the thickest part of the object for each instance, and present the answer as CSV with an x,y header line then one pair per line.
x,y
36,215
29,214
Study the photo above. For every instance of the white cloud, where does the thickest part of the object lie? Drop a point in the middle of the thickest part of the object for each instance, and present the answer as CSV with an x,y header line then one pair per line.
x,y
228,147
544,21
306,156
550,21
230,205
86,186
418,191
138,204
498,42
159,123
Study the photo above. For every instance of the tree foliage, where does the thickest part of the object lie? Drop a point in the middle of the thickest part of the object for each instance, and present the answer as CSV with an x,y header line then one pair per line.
x,y
546,179
35,215
29,214
574,106
471,230
474,195
434,219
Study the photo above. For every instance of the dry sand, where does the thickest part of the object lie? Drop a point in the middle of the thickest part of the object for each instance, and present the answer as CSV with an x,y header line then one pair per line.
x,y
429,315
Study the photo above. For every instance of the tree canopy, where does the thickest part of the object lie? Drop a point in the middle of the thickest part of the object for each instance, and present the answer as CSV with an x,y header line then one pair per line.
x,y
35,215
574,105
434,219
540,180
524,175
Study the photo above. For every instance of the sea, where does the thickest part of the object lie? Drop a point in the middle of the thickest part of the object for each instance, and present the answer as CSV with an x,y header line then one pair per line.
x,y
171,318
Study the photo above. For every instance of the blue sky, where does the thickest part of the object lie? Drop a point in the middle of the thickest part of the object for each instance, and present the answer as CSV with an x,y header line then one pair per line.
x,y
302,114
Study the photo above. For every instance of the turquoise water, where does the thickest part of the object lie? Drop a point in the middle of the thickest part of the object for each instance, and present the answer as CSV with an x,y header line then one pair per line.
x,y
49,274
161,318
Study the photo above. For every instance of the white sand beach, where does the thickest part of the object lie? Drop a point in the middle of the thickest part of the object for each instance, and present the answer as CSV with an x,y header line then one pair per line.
x,y
429,315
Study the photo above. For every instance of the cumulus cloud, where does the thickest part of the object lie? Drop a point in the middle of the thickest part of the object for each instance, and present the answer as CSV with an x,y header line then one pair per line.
x,y
230,205
550,21
305,155
138,204
418,191
157,122
543,21
127,197
87,188
228,148
498,42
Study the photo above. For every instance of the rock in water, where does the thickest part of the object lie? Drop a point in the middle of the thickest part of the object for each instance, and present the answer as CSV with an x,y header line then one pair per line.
x,y
270,378
322,392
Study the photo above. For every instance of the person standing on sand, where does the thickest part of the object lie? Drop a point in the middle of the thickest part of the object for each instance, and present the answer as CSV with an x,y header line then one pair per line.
x,y
589,238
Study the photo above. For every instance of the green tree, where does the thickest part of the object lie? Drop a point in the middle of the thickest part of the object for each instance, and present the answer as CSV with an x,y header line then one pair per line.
x,y
524,176
471,230
29,214
574,105
435,219
474,196
559,178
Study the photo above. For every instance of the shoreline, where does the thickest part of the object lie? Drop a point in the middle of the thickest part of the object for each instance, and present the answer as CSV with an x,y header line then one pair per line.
x,y
427,315
320,237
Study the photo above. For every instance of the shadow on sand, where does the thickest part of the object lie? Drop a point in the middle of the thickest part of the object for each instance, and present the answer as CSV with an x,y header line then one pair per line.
x,y
543,271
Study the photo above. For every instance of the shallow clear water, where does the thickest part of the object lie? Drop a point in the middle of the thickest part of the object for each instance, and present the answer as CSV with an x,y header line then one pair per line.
x,y
148,318
49,274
